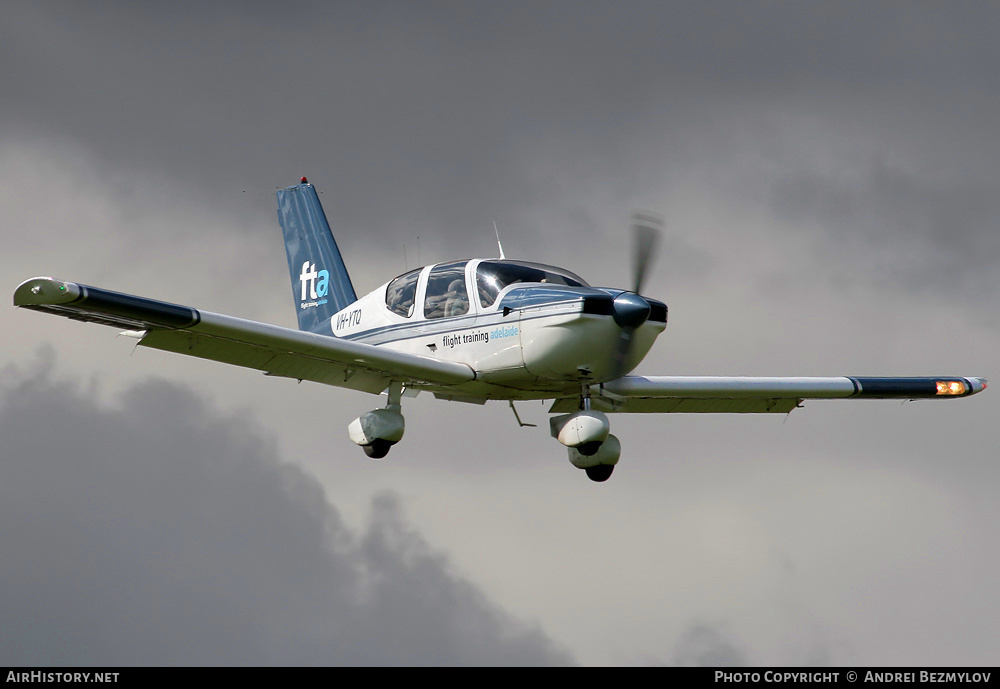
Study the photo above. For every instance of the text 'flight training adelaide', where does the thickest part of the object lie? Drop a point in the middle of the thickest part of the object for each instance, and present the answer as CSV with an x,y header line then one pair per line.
x,y
470,331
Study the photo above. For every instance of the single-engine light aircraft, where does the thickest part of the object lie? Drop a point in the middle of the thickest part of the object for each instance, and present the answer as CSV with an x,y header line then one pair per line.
x,y
471,331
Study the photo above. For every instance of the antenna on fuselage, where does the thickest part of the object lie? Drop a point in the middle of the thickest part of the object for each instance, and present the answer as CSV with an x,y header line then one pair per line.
x,y
499,245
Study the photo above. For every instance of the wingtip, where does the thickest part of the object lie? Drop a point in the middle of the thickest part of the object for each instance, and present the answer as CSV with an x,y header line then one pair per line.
x,y
977,384
45,290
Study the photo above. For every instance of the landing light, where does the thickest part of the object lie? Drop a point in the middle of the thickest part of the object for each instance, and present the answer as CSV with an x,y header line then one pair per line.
x,y
951,387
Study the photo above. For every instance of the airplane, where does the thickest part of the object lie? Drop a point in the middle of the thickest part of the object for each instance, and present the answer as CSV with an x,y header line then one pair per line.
x,y
470,331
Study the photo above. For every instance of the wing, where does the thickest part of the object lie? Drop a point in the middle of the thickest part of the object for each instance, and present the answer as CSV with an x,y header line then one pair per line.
x,y
739,395
272,349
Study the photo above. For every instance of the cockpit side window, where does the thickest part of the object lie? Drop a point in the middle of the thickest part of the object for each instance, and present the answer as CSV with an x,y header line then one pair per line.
x,y
446,294
402,292
494,276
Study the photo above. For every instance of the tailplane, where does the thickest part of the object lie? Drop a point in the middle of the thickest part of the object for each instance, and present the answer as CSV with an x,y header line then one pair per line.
x,y
320,284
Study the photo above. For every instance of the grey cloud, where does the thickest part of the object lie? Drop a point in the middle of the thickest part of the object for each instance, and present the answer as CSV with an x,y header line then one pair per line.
x,y
876,214
159,532
708,645
436,116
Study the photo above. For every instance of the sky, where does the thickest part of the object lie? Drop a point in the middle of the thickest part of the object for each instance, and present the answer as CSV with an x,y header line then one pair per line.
x,y
828,174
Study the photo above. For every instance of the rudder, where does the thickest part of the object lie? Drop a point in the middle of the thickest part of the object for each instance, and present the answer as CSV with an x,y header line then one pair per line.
x,y
320,284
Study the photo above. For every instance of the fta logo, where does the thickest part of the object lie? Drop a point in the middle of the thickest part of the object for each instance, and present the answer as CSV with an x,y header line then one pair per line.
x,y
318,282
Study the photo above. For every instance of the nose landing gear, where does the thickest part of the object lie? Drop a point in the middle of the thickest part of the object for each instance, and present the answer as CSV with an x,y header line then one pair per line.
x,y
590,445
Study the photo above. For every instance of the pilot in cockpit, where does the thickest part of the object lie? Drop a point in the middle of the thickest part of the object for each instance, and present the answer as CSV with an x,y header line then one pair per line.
x,y
457,302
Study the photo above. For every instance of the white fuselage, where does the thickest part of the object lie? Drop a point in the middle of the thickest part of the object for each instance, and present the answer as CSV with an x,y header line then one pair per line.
x,y
544,346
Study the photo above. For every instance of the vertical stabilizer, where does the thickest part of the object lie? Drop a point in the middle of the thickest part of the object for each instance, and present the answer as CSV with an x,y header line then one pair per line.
x,y
320,284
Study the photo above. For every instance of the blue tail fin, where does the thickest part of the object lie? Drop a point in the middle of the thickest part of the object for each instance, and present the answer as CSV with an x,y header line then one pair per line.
x,y
320,284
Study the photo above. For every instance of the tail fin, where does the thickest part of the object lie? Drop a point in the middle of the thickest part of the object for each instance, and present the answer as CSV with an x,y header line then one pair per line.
x,y
320,284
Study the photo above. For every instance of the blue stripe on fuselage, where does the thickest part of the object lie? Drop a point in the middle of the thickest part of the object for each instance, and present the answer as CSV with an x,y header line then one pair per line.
x,y
433,328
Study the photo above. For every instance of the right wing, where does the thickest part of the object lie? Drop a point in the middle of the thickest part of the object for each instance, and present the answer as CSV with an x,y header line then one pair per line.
x,y
745,395
272,349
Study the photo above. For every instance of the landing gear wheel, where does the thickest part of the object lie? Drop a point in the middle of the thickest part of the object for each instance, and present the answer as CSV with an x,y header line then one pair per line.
x,y
378,449
600,473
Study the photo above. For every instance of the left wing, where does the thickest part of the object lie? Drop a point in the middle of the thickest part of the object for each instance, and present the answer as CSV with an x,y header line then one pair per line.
x,y
272,349
746,395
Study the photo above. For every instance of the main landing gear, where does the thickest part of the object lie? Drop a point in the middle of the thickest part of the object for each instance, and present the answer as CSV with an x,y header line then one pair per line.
x,y
380,429
591,447
586,435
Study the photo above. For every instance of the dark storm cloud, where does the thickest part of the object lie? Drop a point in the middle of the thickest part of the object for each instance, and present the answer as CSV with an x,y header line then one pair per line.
x,y
159,533
434,117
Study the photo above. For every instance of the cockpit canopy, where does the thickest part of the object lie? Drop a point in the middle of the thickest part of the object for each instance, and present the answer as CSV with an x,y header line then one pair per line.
x,y
493,276
446,294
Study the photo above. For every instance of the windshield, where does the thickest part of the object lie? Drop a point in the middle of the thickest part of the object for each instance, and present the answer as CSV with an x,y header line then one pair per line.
x,y
493,276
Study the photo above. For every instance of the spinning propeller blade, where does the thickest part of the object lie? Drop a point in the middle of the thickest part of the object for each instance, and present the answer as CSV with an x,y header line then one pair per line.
x,y
646,229
630,309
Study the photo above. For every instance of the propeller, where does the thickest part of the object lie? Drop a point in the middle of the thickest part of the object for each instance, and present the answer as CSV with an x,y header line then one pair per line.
x,y
630,310
646,229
